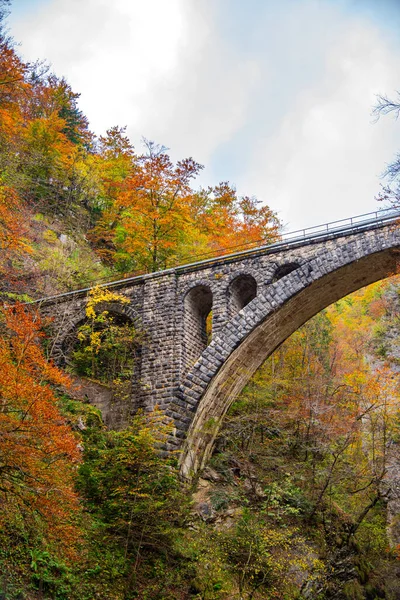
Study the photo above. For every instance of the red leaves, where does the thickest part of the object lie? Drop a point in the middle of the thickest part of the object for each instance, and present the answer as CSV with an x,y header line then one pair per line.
x,y
12,239
38,450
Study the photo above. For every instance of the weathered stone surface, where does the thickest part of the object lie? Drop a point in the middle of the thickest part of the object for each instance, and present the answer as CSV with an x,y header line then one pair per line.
x,y
257,299
101,396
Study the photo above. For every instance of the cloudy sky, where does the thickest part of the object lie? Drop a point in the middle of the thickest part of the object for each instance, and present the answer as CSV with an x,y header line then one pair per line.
x,y
272,95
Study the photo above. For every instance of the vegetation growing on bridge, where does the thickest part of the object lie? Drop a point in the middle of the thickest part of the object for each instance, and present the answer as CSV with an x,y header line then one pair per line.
x,y
105,345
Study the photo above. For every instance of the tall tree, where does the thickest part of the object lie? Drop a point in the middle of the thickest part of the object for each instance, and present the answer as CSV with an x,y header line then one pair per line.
x,y
39,452
151,212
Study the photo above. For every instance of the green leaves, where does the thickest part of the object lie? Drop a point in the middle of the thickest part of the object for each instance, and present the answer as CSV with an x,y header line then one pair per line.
x,y
134,490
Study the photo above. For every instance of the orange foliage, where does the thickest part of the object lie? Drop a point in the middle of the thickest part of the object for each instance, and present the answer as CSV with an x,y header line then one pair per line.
x,y
154,207
39,452
153,218
229,221
12,232
11,229
13,89
12,73
148,210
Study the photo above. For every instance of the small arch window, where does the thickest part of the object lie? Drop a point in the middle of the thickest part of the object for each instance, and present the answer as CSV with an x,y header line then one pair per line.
x,y
242,290
197,321
284,270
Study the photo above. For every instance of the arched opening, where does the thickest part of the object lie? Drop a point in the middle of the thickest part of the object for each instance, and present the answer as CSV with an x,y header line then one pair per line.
x,y
284,270
104,350
263,334
242,290
103,357
197,322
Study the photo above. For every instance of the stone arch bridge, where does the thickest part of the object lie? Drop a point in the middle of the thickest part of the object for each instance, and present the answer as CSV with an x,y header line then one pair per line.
x,y
258,298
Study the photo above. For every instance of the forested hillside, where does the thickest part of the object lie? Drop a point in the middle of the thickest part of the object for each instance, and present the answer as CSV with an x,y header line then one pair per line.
x,y
299,499
77,208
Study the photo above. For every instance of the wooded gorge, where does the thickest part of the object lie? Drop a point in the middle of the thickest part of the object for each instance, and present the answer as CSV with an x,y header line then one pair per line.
x,y
300,499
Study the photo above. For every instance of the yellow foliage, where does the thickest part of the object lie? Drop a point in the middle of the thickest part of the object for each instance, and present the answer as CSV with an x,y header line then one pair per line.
x,y
95,341
98,295
50,236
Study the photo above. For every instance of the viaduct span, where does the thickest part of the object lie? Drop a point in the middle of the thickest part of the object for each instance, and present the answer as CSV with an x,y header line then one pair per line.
x,y
258,298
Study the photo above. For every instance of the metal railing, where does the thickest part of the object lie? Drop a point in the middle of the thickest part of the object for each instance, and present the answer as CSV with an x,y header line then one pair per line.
x,y
293,238
353,223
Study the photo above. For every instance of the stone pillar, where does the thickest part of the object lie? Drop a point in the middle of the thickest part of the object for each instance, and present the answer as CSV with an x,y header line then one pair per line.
x,y
160,352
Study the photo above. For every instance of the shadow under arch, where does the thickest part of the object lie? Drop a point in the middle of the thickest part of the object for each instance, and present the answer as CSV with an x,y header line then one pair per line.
x,y
242,290
197,306
284,270
265,324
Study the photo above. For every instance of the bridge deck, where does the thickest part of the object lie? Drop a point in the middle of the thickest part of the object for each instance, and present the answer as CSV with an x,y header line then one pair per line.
x,y
301,237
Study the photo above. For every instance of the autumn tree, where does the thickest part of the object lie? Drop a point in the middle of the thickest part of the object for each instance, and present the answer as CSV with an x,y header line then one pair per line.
x,y
39,453
13,87
112,165
44,137
12,69
13,242
115,157
54,95
224,222
151,212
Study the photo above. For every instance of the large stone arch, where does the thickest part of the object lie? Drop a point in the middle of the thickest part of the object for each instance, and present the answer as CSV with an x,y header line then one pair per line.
x,y
328,264
78,317
260,327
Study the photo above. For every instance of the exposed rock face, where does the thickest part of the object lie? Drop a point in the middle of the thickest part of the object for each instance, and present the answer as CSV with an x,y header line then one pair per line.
x,y
257,299
101,396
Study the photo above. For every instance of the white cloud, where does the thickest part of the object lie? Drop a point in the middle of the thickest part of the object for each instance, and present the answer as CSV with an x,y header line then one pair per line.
x,y
155,66
205,100
280,103
324,159
113,54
